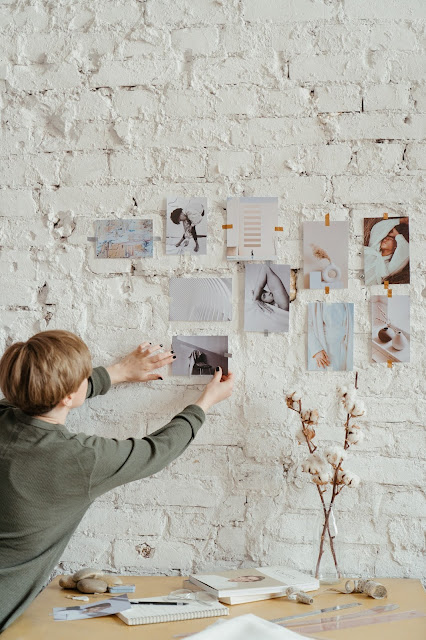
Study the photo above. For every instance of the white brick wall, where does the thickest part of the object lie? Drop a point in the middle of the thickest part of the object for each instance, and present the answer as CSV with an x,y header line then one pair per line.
x,y
107,108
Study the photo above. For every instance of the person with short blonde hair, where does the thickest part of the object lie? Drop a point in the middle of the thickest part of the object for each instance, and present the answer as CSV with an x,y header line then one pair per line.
x,y
49,476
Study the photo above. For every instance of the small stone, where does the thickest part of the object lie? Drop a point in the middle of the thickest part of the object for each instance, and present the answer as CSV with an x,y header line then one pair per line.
x,y
112,580
67,582
92,585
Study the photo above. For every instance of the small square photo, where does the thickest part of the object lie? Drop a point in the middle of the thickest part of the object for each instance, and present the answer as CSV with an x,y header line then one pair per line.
x,y
199,355
124,238
186,226
386,251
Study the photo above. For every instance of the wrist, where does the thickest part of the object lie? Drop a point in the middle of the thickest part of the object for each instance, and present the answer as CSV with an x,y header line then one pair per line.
x,y
117,373
203,403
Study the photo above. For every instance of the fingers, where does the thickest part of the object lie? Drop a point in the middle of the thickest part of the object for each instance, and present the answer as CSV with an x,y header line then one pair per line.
x,y
153,376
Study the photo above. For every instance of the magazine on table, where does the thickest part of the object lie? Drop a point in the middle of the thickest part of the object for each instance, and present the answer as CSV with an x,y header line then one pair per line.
x,y
260,581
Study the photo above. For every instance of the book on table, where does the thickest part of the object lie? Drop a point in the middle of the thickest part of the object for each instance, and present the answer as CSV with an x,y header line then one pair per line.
x,y
248,585
141,613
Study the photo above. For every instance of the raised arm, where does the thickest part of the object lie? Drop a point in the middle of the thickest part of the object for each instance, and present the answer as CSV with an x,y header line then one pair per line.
x,y
277,289
260,282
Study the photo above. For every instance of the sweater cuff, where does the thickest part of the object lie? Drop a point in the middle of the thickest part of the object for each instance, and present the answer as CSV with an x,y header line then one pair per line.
x,y
198,413
99,382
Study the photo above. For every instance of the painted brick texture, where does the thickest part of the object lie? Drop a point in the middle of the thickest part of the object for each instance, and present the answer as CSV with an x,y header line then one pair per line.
x,y
106,108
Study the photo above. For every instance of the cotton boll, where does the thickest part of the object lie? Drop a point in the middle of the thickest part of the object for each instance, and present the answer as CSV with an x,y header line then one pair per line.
x,y
358,410
350,479
300,436
314,417
313,464
355,435
305,415
349,401
335,455
321,478
297,396
342,391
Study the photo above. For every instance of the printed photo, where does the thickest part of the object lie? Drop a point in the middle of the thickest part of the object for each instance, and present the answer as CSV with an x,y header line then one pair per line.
x,y
267,297
201,299
124,238
186,226
94,610
253,222
386,251
330,336
390,323
199,355
325,255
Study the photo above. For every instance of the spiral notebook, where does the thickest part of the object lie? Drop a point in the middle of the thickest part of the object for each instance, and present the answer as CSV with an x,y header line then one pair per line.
x,y
149,614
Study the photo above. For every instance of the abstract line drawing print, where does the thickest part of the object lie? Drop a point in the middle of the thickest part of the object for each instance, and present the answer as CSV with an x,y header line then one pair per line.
x,y
124,238
252,222
199,355
201,299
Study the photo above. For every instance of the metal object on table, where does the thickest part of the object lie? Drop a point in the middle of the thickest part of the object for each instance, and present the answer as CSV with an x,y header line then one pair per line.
x,y
317,611
360,614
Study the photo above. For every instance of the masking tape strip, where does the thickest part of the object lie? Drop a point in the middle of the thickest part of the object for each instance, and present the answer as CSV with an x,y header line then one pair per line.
x,y
279,228
385,216
327,219
389,364
227,226
386,284
389,293
91,238
327,290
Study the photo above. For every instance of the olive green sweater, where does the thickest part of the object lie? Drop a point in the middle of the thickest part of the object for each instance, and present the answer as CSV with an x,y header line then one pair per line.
x,y
48,479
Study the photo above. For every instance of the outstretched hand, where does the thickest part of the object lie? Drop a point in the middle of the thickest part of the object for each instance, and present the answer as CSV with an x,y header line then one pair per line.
x,y
218,389
138,365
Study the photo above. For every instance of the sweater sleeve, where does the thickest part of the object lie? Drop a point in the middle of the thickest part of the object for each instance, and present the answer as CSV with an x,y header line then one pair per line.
x,y
99,382
117,462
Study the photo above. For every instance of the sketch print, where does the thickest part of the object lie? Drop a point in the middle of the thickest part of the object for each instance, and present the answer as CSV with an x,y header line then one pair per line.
x,y
267,297
186,226
390,322
252,223
124,238
330,336
201,299
325,254
199,355
386,250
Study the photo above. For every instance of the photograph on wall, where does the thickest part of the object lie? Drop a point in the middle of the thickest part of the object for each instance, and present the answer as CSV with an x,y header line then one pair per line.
x,y
325,255
200,299
186,226
386,251
267,297
124,238
199,355
252,223
330,336
390,325
93,610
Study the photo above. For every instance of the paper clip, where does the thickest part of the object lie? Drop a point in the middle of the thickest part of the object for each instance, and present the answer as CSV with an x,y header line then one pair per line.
x,y
389,293
327,290
389,364
266,332
386,284
91,238
327,219
156,238
227,355
385,216
279,228
227,226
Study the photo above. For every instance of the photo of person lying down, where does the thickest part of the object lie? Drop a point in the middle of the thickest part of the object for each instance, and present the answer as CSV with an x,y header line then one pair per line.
x,y
267,297
386,251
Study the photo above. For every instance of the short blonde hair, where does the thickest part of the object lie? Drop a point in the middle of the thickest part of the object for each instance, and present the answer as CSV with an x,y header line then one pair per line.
x,y
36,375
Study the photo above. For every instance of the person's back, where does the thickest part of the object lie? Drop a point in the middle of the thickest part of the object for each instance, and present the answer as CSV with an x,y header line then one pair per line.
x,y
49,476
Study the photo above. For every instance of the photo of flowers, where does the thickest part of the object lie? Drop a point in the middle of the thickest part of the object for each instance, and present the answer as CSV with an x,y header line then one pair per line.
x,y
251,223
124,238
390,325
330,336
186,226
386,250
325,255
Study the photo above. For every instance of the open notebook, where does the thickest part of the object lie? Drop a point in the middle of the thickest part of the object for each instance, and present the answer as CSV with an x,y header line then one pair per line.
x,y
149,614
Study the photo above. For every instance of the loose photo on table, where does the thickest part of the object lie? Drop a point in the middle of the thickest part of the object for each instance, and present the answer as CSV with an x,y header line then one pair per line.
x,y
330,336
186,226
386,251
390,322
201,299
251,224
325,255
93,610
199,355
267,297
124,238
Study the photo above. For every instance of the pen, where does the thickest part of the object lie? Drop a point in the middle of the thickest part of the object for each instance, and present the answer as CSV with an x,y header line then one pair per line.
x,y
179,604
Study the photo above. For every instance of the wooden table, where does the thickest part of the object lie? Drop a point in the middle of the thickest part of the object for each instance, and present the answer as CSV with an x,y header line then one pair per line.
x,y
36,623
